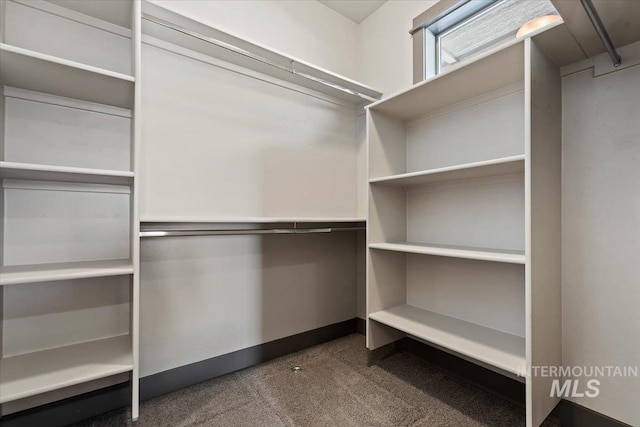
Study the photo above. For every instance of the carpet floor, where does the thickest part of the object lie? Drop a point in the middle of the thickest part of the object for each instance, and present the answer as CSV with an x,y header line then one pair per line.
x,y
341,384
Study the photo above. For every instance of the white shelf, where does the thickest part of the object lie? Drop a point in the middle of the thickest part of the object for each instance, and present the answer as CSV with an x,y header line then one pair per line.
x,y
495,69
16,275
496,255
499,349
494,167
35,373
28,171
39,72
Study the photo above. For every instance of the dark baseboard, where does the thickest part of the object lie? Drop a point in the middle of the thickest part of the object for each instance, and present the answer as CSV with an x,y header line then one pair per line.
x,y
362,326
73,409
184,376
571,414
567,414
87,405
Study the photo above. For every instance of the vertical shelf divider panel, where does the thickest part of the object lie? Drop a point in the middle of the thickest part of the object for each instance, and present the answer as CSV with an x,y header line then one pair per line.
x,y
461,213
386,221
2,150
2,207
543,122
136,137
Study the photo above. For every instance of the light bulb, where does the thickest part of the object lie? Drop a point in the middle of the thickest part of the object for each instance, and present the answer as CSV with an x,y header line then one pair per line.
x,y
537,23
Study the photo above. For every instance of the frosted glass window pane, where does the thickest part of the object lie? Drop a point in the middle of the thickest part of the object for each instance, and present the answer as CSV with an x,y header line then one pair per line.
x,y
491,26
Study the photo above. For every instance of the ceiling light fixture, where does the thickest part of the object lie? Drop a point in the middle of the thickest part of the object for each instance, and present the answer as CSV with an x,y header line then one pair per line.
x,y
536,24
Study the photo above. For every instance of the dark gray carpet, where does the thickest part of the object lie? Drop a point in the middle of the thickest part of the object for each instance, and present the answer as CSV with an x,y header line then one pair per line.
x,y
341,384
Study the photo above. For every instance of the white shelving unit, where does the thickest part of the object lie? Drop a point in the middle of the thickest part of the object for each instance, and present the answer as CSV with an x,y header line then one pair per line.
x,y
464,215
69,133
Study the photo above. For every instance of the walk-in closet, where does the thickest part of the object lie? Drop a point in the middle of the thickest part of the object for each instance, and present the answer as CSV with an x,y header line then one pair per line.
x,y
319,213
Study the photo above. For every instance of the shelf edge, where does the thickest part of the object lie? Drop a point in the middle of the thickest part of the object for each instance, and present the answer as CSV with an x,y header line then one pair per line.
x,y
432,172
453,253
4,47
507,368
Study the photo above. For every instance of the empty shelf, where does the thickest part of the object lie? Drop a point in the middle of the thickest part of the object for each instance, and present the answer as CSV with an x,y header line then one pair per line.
x,y
496,68
19,274
62,173
502,166
39,72
495,348
34,373
497,255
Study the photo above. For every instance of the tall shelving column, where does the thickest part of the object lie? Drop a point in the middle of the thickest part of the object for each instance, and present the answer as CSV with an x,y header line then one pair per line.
x,y
69,282
464,214
136,138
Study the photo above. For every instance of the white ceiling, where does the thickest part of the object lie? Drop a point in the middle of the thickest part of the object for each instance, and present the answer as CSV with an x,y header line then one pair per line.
x,y
356,10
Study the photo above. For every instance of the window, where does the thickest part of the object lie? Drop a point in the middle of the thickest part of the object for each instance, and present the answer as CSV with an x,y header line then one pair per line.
x,y
469,27
494,24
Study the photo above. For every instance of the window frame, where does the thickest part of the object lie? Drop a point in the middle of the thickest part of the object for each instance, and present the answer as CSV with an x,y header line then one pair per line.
x,y
441,19
438,19
454,27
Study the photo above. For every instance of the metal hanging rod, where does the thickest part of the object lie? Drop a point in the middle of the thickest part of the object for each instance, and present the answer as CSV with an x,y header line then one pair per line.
x,y
602,31
239,232
290,69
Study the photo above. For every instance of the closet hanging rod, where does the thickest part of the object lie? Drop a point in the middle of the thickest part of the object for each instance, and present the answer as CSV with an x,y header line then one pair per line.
x,y
175,233
591,11
255,57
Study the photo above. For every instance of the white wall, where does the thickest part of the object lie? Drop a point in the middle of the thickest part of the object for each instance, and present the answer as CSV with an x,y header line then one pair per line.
x,y
601,233
269,154
378,52
202,297
307,30
385,55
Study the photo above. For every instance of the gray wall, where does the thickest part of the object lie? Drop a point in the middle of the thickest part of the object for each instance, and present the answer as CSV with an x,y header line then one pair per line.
x,y
203,297
601,232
